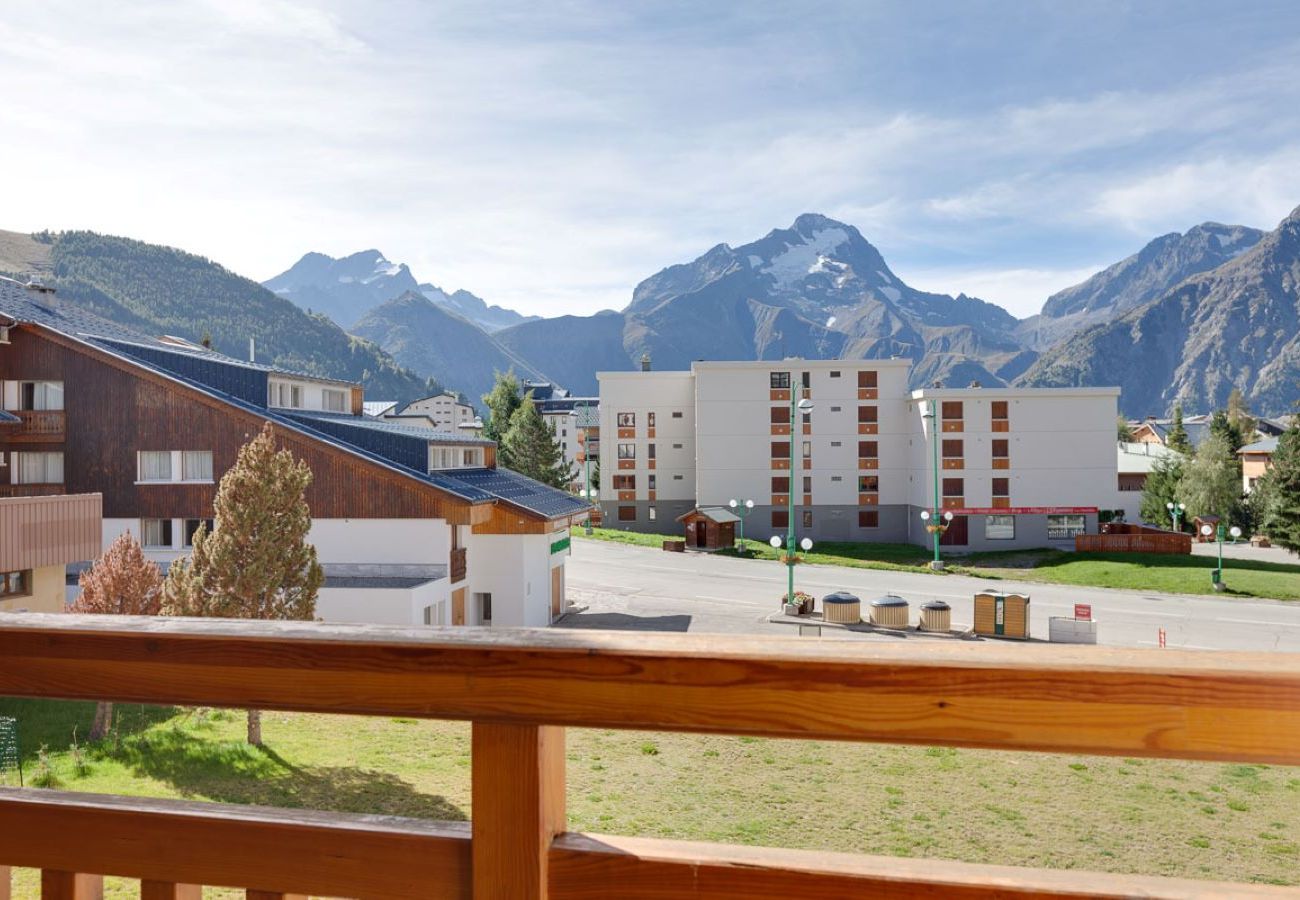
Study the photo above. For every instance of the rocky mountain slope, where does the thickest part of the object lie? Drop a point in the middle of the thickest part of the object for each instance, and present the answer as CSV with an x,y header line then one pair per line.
x,y
423,336
1237,325
474,309
1165,262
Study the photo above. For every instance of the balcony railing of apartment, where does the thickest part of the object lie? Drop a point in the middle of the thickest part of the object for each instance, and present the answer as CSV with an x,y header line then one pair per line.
x,y
521,689
37,425
32,490
459,567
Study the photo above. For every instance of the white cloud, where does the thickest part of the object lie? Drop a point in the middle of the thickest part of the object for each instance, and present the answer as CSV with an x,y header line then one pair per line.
x,y
1020,291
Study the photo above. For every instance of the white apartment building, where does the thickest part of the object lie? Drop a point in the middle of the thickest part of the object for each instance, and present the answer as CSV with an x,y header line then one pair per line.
x,y
444,410
1016,468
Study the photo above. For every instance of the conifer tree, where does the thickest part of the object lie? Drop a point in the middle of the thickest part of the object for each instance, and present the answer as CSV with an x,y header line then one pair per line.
x,y
1211,484
501,403
1239,415
1281,519
1123,431
256,563
532,449
122,582
1161,487
1177,438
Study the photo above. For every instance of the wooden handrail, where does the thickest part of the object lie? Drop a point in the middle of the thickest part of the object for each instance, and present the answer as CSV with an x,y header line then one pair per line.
x,y
519,686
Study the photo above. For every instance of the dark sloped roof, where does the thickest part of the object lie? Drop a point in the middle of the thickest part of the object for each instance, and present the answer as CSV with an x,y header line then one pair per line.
x,y
8,418
427,435
520,490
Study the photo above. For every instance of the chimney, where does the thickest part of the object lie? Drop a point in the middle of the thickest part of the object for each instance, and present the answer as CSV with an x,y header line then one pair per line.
x,y
645,362
938,383
975,384
252,350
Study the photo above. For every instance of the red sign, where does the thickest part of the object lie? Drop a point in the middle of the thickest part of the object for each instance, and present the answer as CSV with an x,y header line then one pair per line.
x,y
1083,611
1022,510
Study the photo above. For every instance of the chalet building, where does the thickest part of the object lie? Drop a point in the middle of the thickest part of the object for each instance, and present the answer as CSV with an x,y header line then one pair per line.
x,y
1014,467
411,525
1156,431
1256,459
1134,462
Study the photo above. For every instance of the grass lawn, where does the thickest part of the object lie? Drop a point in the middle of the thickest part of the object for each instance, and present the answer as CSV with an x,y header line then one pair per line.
x,y
1129,571
1199,820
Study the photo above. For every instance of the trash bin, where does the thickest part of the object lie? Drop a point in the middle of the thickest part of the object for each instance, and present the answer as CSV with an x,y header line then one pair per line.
x,y
889,611
842,608
1002,615
936,616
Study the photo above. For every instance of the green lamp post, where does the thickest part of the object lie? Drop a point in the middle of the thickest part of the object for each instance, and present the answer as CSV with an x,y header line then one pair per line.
x,y
796,407
741,508
1176,510
1216,577
936,522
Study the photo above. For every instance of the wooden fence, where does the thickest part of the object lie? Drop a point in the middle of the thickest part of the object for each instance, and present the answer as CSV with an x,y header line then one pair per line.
x,y
521,688
1122,537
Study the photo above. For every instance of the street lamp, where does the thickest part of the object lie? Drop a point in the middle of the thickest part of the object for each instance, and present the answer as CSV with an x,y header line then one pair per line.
x,y
584,422
796,407
1176,510
742,508
1216,577
930,411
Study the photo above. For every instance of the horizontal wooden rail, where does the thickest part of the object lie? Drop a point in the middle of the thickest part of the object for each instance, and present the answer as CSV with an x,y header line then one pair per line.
x,y
272,850
1179,704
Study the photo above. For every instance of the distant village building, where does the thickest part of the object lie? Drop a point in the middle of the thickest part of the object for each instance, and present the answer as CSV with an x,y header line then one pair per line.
x,y
444,411
1256,459
575,420
1134,462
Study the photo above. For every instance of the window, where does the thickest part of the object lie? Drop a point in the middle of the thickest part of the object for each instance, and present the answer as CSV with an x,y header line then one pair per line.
x,y
835,373
1066,526
156,532
867,379
1000,528
954,487
868,449
807,418
651,480
868,518
836,408
807,449
650,420
807,518
952,449
780,415
625,482
192,526
37,468
677,446
1001,448
867,414
780,518
868,484
807,379
37,395
627,420
16,584
999,409
780,484
651,511
780,449
837,478
469,458
484,604
677,414
436,614
952,409
677,478
627,451
807,484
1001,487
196,465
336,401
780,381
627,513
650,451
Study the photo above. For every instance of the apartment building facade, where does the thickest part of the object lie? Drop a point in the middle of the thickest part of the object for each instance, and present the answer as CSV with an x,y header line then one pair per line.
x,y
39,537
412,525
1015,467
444,410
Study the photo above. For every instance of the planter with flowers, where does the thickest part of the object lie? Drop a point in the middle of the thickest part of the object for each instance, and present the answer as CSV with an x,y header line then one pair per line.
x,y
802,605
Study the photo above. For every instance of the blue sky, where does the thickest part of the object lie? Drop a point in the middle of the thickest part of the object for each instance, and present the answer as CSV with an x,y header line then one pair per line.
x,y
547,156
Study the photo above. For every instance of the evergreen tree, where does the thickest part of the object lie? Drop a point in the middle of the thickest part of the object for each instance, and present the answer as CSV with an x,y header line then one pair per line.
x,y
122,582
1282,516
256,563
1177,438
1222,424
1211,484
595,474
500,404
1161,487
1239,415
1123,432
531,446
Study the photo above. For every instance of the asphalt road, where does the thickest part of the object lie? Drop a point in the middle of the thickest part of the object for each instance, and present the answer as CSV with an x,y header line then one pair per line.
x,y
618,586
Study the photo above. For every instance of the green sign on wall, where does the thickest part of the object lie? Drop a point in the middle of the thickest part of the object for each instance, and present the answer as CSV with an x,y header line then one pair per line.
x,y
559,542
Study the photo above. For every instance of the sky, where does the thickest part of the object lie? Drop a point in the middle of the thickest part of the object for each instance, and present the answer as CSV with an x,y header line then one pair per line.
x,y
547,156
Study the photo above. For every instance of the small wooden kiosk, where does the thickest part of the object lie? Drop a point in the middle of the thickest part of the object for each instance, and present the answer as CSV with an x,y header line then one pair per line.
x,y
1002,615
710,528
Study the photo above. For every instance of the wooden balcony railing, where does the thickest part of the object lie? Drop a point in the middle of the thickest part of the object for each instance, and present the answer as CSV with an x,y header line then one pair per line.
x,y
521,688
32,490
38,425
459,567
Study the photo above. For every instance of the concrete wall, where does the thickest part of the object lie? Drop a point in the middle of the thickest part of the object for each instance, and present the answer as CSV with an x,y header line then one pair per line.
x,y
385,606
48,592
518,577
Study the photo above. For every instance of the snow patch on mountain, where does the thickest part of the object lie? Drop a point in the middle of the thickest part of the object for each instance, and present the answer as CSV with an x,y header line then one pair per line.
x,y
790,267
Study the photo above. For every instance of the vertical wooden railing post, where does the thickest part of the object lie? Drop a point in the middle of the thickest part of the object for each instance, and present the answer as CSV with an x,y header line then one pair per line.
x,y
272,895
517,808
5,882
167,890
57,885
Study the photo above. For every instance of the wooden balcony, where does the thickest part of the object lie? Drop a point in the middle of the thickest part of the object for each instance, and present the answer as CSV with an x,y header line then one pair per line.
x,y
32,490
37,426
49,531
459,567
522,688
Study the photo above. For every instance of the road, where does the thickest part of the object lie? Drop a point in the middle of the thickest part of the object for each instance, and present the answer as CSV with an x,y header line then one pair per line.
x,y
618,586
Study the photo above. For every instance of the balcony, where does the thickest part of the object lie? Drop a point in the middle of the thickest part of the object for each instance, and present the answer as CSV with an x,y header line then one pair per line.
x,y
49,530
32,490
35,426
459,567
522,688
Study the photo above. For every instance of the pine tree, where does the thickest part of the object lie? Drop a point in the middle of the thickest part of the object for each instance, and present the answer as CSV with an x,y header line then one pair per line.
x,y
1211,484
1161,487
1222,424
1239,415
501,403
1177,438
120,583
1282,517
532,449
1123,431
256,563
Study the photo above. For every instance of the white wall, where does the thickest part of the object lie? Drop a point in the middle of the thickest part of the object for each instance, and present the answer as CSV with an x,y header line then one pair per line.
x,y
641,393
313,393
516,570
384,606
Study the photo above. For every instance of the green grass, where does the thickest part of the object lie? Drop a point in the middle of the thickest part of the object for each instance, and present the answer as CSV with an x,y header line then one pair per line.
x,y
1129,571
1200,820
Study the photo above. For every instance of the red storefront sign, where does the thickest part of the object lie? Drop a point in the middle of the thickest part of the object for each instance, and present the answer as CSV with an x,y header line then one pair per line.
x,y
1023,510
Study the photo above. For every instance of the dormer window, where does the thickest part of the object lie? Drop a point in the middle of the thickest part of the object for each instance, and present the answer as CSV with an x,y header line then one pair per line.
x,y
335,401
